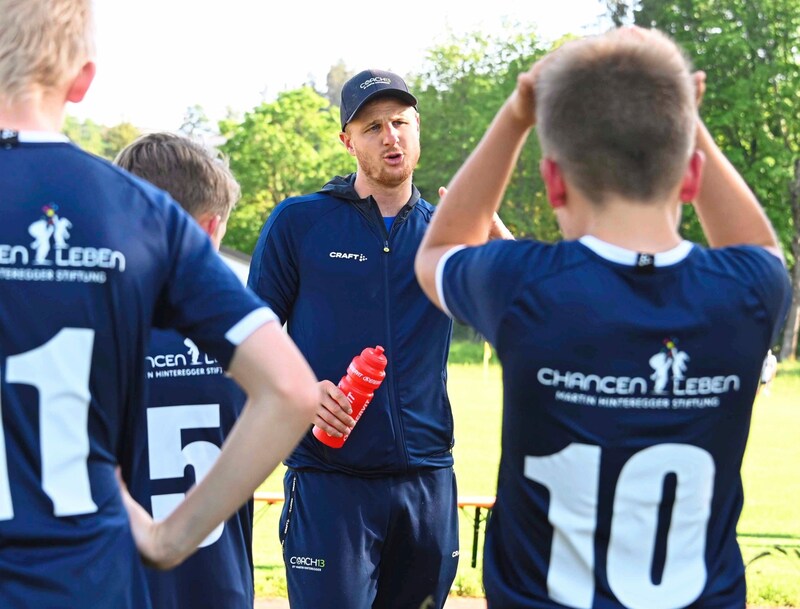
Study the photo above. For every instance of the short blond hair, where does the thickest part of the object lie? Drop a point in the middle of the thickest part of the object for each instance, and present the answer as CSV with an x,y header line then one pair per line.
x,y
43,43
617,112
197,178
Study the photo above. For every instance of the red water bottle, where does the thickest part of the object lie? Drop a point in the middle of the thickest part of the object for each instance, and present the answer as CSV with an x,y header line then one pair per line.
x,y
364,375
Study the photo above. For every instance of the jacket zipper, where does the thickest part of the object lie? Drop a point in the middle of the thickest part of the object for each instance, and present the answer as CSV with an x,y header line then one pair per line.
x,y
377,219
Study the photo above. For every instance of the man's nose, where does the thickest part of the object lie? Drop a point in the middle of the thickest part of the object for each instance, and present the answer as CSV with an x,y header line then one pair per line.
x,y
390,134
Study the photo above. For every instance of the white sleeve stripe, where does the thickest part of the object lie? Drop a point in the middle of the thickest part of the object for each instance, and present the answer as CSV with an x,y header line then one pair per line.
x,y
249,324
440,272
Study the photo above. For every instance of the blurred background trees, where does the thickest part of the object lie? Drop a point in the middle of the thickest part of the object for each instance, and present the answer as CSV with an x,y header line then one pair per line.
x,y
749,49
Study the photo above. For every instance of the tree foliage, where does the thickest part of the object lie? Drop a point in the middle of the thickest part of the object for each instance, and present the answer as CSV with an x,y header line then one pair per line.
x,y
195,122
619,11
462,87
280,149
337,76
98,139
750,51
748,48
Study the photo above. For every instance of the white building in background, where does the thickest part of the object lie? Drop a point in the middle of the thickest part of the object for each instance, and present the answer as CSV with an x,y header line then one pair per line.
x,y
239,262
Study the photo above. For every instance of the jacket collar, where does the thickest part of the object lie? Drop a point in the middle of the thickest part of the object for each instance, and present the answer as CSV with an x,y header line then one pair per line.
x,y
343,187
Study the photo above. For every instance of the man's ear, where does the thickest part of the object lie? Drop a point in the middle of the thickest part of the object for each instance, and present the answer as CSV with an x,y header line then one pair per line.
x,y
346,140
553,182
80,85
692,177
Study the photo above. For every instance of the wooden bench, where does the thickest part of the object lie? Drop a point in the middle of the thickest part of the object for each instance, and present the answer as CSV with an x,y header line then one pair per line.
x,y
479,502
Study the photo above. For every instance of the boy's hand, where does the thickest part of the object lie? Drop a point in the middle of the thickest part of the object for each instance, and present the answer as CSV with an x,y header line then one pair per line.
x,y
523,100
498,229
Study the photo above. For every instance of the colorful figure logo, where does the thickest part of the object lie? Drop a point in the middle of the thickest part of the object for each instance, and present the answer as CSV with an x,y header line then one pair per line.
x,y
666,360
49,225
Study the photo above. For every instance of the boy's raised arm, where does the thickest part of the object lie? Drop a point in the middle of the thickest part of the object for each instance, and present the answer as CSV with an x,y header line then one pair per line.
x,y
465,214
727,209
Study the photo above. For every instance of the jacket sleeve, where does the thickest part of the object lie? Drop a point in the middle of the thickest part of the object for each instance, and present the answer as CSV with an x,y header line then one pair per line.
x,y
274,266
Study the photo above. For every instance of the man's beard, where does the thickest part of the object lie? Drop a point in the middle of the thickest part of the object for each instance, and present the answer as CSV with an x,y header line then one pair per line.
x,y
377,172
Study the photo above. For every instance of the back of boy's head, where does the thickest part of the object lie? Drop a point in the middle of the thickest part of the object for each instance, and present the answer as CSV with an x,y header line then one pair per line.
x,y
196,178
43,45
617,113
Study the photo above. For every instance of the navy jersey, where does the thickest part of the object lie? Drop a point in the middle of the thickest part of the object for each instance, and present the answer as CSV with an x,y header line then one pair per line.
x,y
191,408
90,258
628,388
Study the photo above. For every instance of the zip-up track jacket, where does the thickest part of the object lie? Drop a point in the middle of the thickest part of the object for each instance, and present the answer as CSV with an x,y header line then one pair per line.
x,y
326,265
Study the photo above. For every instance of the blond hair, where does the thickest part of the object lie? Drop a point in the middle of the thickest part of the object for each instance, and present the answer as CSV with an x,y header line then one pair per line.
x,y
43,44
198,179
617,113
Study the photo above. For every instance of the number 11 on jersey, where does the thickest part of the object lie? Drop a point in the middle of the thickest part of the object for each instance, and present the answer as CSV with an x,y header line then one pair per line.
x,y
59,370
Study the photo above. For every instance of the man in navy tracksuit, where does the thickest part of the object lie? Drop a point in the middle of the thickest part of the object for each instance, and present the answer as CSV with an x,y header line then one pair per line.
x,y
373,524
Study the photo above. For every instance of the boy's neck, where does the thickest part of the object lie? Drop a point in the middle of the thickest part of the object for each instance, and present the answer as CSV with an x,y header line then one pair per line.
x,y
637,226
35,112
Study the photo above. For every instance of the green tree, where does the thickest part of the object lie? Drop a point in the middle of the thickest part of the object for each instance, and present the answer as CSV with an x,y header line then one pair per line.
x,y
86,134
619,11
337,76
464,82
749,51
195,122
117,137
99,139
280,149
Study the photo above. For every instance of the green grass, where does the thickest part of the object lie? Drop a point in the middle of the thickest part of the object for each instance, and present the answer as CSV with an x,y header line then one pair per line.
x,y
770,523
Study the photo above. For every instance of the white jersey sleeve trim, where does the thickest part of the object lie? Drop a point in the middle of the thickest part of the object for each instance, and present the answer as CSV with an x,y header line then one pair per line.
x,y
249,324
439,274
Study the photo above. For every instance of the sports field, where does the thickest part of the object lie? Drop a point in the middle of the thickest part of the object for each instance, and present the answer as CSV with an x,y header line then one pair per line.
x,y
769,528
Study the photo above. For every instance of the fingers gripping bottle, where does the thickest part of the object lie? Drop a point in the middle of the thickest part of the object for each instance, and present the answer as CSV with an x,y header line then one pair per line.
x,y
364,375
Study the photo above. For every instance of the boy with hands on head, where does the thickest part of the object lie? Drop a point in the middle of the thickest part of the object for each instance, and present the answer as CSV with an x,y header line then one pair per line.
x,y
630,356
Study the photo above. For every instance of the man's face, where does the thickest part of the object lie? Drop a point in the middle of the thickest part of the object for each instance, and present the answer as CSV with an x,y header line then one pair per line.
x,y
384,138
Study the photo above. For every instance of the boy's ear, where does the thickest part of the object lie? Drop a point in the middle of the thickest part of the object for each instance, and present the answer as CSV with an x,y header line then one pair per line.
x,y
553,182
80,85
209,222
692,177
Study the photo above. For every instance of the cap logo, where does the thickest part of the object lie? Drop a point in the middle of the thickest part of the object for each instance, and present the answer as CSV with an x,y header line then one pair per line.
x,y
375,80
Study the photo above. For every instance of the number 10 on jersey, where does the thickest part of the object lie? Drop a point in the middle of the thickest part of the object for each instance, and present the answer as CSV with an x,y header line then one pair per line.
x,y
572,477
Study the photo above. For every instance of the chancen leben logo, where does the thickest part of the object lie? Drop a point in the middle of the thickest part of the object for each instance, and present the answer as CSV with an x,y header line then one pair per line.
x,y
671,387
50,248
191,363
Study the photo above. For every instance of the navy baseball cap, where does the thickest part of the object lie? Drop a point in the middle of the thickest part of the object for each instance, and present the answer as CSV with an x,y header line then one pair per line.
x,y
368,85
